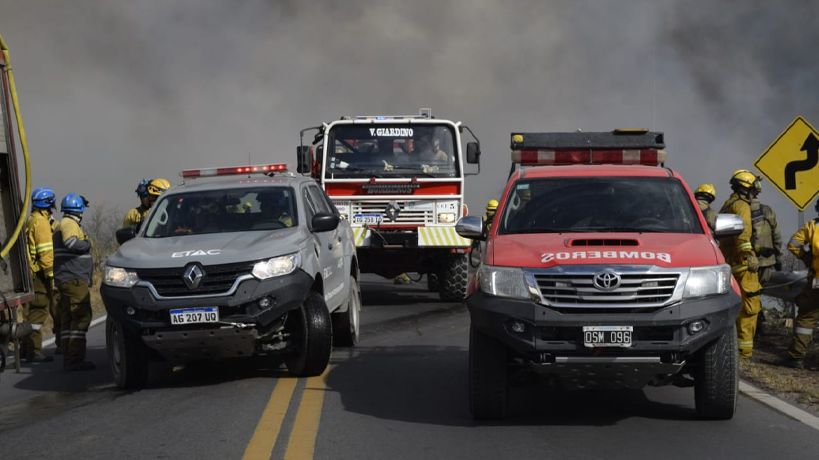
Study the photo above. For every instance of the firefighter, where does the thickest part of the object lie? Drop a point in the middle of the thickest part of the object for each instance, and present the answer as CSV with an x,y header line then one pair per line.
x,y
766,238
136,215
491,209
153,189
804,244
39,229
705,195
739,252
73,272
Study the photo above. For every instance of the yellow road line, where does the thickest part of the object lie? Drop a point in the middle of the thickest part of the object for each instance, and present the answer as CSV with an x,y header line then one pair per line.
x,y
267,430
302,442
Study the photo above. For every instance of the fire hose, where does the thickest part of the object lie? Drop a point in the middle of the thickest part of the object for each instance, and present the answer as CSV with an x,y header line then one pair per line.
x,y
9,243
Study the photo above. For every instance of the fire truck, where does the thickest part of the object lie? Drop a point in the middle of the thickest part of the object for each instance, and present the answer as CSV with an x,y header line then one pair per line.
x,y
15,282
399,180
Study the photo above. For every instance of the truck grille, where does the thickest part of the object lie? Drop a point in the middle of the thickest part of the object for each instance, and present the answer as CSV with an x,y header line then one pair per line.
x,y
567,290
168,282
423,213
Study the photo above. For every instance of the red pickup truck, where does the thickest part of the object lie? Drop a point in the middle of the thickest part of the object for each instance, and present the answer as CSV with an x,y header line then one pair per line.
x,y
599,270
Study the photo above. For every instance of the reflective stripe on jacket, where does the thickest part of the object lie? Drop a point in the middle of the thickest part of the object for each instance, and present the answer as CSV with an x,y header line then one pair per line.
x,y
72,252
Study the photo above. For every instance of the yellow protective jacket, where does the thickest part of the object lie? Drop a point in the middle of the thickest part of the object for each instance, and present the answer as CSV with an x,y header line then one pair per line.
x,y
39,229
805,243
135,216
739,248
72,252
708,213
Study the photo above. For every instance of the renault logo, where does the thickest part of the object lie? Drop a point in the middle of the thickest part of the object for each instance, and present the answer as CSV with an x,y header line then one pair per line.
x,y
193,276
607,280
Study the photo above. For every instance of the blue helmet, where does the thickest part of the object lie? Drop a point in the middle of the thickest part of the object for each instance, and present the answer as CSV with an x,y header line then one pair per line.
x,y
73,203
43,198
142,188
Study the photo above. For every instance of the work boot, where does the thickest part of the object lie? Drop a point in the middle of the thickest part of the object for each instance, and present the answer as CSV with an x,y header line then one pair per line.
x,y
38,357
80,366
793,363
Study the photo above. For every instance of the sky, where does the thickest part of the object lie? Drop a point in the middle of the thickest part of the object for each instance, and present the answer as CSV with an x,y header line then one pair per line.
x,y
113,92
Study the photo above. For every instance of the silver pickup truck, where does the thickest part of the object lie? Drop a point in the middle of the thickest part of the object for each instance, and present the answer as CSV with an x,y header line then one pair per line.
x,y
233,267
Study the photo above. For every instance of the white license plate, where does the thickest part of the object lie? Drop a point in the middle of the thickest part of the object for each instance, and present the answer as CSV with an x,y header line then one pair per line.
x,y
607,336
367,219
195,315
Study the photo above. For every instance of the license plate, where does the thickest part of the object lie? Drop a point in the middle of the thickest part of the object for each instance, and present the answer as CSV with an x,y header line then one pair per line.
x,y
195,315
368,219
607,336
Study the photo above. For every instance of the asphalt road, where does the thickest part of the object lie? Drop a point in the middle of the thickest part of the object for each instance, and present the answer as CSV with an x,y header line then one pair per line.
x,y
400,394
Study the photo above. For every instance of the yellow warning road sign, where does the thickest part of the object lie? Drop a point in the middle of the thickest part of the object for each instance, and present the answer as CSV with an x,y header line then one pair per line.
x,y
791,162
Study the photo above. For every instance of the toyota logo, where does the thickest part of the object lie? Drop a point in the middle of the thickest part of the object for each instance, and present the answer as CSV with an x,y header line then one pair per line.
x,y
193,276
607,280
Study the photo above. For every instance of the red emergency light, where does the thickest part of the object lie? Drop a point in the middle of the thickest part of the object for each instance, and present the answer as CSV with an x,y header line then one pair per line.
x,y
234,170
649,157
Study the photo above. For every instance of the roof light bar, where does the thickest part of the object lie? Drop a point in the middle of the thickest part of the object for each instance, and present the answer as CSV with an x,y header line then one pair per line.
x,y
234,170
649,157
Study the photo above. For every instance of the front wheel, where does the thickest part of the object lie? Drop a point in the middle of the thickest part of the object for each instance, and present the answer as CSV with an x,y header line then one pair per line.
x,y
716,379
346,324
454,278
127,355
311,336
487,377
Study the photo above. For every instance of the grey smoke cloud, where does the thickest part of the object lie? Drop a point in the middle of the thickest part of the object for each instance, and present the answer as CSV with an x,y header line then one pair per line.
x,y
116,91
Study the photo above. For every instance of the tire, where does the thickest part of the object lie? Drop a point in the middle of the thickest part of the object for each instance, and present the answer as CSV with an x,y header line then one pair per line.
x,y
716,380
127,356
487,377
454,278
311,334
433,284
346,324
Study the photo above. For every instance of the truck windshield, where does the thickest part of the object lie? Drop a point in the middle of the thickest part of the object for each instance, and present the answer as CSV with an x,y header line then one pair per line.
x,y
400,150
604,204
219,211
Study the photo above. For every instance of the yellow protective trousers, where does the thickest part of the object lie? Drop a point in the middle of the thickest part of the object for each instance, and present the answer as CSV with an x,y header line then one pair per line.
x,y
75,309
43,305
806,321
751,305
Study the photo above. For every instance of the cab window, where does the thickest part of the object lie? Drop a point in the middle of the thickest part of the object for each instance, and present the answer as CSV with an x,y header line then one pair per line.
x,y
599,204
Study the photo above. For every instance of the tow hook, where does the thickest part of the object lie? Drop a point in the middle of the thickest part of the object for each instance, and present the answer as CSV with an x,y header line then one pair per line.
x,y
237,325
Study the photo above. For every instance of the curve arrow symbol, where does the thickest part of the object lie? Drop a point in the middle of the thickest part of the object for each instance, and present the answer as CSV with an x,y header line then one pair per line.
x,y
811,146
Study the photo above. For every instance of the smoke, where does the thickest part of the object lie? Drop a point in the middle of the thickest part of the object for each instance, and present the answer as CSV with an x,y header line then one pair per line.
x,y
116,91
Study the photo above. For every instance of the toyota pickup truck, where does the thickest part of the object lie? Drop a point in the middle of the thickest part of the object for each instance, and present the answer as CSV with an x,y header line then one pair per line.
x,y
234,267
599,271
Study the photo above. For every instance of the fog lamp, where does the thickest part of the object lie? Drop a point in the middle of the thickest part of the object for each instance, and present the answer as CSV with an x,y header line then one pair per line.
x,y
518,327
695,327
130,311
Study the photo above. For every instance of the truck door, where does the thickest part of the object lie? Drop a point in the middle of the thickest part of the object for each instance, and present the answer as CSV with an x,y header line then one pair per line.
x,y
331,255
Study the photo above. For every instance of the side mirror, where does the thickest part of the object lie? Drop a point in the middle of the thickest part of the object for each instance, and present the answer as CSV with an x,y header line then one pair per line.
x,y
728,225
324,222
125,234
470,227
473,153
304,162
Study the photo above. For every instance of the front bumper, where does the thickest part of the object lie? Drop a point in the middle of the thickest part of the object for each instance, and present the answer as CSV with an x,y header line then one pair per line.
x,y
241,319
552,342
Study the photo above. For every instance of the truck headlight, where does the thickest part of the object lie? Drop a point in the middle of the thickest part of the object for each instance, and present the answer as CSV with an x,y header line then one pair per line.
x,y
119,277
446,218
504,282
705,281
277,266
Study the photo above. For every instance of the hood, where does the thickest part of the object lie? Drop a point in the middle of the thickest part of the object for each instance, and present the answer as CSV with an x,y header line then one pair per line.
x,y
208,249
548,250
